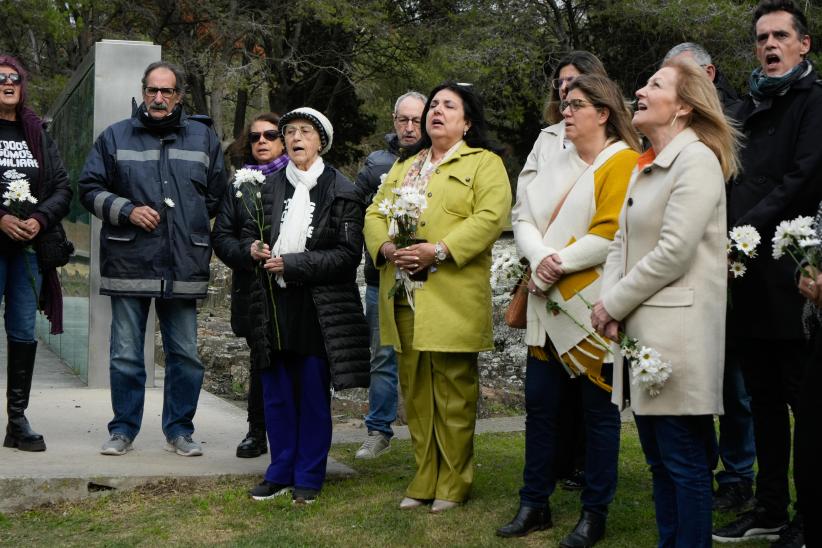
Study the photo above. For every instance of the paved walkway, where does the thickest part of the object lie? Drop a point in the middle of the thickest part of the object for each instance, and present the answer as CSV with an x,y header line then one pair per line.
x,y
73,419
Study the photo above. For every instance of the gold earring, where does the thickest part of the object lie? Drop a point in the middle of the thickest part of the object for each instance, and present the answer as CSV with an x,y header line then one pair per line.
x,y
673,122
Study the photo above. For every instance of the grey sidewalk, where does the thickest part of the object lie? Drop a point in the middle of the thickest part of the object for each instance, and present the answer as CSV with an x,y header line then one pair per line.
x,y
73,419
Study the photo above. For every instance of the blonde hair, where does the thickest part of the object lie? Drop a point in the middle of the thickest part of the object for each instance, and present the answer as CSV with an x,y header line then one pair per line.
x,y
707,119
603,92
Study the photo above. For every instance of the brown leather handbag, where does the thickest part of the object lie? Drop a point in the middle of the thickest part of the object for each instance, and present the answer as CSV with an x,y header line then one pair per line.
x,y
516,313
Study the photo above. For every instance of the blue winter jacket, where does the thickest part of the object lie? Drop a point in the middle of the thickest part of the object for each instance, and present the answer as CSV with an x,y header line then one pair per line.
x,y
130,166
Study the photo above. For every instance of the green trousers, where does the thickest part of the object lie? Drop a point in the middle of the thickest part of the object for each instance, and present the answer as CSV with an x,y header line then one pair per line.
x,y
441,390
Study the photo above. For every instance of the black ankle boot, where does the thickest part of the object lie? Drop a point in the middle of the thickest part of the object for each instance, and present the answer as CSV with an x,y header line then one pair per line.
x,y
588,531
253,445
20,371
527,520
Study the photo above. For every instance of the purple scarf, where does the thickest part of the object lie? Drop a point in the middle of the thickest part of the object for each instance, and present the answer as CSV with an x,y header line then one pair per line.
x,y
273,166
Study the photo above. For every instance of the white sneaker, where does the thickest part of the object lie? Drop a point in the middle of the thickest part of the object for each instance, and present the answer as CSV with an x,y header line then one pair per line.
x,y
374,445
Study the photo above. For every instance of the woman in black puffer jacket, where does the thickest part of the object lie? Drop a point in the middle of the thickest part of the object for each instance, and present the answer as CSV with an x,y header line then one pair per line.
x,y
27,155
308,328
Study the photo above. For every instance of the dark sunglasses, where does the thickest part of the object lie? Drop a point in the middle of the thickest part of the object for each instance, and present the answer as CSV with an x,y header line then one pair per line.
x,y
10,78
269,134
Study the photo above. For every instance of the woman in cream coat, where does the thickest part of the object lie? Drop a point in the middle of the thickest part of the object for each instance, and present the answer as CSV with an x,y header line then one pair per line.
x,y
665,280
564,222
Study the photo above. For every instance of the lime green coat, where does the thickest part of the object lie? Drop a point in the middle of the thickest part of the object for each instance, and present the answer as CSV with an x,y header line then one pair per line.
x,y
469,198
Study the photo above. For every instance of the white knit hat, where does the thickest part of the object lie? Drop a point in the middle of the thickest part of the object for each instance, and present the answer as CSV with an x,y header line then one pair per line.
x,y
318,119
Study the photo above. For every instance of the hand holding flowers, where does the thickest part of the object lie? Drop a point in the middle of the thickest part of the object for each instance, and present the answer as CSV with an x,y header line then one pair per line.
x,y
797,239
403,214
18,201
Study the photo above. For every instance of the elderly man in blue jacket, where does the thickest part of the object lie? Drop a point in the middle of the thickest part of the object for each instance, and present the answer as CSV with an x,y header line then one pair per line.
x,y
155,180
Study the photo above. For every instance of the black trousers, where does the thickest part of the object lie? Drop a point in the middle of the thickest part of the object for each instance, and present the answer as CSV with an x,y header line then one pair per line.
x,y
256,413
773,376
809,443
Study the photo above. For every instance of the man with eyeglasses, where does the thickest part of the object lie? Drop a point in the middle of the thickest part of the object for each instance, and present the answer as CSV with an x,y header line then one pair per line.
x,y
382,393
155,180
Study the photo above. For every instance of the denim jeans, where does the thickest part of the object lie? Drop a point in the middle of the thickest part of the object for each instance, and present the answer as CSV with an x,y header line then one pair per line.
x,y
736,432
21,298
544,384
680,452
382,392
184,371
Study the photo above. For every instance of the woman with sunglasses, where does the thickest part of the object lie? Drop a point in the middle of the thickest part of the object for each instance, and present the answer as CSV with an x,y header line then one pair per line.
x,y
563,224
28,154
263,151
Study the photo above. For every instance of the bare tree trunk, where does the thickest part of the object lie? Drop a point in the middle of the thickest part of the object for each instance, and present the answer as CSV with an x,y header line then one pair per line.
x,y
239,112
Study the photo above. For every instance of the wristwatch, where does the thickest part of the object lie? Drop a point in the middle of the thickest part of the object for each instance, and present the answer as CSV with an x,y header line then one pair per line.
x,y
439,253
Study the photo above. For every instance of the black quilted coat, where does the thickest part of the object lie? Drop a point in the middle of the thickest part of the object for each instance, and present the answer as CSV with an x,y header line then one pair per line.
x,y
328,267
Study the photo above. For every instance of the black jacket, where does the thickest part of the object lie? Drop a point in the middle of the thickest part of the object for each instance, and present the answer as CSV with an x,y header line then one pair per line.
x,y
53,193
328,268
368,181
130,166
781,179
226,237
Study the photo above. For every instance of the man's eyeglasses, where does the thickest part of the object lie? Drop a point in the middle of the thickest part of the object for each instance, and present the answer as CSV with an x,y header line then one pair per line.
x,y
291,130
269,134
575,105
557,82
10,78
165,92
403,121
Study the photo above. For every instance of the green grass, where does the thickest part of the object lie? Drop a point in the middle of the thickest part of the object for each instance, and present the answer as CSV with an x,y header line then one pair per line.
x,y
361,511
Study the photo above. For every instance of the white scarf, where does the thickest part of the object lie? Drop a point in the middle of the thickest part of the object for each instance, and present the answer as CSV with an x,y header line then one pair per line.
x,y
295,224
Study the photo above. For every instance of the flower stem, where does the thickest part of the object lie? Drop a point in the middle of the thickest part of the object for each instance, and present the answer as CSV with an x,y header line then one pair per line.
x,y
553,305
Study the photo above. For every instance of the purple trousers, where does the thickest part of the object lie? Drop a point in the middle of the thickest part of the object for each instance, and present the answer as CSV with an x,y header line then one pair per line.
x,y
297,404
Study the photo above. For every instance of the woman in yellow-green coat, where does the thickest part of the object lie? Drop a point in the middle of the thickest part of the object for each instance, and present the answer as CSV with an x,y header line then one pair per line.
x,y
439,324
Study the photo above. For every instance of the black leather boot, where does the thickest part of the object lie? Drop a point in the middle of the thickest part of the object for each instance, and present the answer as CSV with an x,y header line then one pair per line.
x,y
589,530
253,445
528,519
20,371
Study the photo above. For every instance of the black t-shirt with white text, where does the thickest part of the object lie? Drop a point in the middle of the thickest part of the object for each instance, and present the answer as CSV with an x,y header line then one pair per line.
x,y
16,159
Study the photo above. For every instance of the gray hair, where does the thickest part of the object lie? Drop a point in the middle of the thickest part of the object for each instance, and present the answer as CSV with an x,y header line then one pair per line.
x,y
700,54
414,94
179,75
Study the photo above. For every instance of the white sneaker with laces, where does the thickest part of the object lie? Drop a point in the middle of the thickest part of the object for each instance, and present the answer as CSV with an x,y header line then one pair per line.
x,y
374,445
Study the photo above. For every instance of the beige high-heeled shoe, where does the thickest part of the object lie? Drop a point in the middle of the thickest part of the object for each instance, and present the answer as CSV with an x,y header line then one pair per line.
x,y
440,505
407,503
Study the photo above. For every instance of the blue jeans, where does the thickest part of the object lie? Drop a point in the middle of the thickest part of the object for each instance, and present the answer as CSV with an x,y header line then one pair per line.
x,y
21,298
680,453
382,392
736,432
297,402
184,371
544,384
